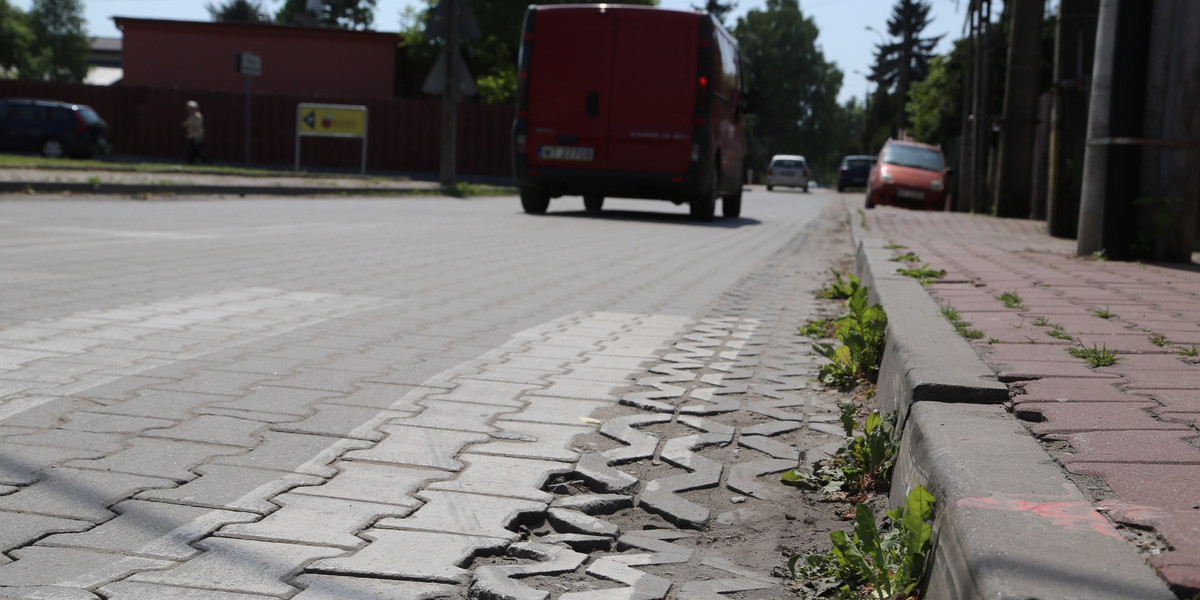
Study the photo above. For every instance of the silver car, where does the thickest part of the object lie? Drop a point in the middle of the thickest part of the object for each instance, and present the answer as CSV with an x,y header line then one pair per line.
x,y
790,170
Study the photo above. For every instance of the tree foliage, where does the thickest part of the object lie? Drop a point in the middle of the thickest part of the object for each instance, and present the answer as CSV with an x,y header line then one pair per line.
x,y
16,38
717,8
238,11
900,63
794,89
345,14
59,49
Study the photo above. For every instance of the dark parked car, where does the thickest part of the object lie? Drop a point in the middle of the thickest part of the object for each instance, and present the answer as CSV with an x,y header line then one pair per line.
x,y
55,129
854,171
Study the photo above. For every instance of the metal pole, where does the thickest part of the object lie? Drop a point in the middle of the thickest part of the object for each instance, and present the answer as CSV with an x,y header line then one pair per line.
x,y
1095,158
363,169
247,136
450,95
297,124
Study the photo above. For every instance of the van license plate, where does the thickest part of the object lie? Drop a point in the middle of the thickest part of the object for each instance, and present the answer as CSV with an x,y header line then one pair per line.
x,y
910,194
575,153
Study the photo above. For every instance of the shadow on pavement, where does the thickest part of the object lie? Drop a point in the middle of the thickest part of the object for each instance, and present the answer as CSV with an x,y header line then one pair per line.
x,y
655,217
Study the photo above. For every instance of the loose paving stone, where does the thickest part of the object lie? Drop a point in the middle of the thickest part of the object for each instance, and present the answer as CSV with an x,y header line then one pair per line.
x,y
78,493
642,586
152,529
573,521
470,514
503,476
419,447
416,555
245,566
546,441
294,452
327,587
316,520
713,590
595,504
18,529
231,488
124,590
496,581
372,482
166,459
70,567
743,477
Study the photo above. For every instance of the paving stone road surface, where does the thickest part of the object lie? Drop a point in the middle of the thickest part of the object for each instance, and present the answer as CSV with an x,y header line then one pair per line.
x,y
243,399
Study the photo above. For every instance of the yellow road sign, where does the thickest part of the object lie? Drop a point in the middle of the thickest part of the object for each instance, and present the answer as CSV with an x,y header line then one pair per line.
x,y
334,120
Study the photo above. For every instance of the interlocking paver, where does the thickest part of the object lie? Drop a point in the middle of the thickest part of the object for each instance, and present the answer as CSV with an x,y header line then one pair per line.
x,y
503,476
468,514
124,590
70,567
294,452
244,566
373,482
419,447
153,529
167,459
460,416
486,392
317,520
417,555
535,440
547,409
78,493
212,429
329,587
18,529
232,488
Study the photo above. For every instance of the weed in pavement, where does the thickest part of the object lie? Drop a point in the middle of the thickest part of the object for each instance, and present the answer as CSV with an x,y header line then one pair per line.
x,y
1159,340
906,257
962,327
1103,314
869,564
1097,357
923,274
861,334
818,328
1193,351
894,247
1011,300
840,289
1042,322
1058,334
864,462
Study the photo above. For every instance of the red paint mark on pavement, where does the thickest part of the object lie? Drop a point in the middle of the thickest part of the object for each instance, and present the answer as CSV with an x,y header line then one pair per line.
x,y
1076,516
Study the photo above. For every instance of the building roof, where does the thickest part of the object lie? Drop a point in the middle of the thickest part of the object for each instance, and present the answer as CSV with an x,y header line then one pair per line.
x,y
258,29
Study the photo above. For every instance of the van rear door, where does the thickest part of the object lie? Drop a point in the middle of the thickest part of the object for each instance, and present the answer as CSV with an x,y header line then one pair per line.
x,y
570,77
653,90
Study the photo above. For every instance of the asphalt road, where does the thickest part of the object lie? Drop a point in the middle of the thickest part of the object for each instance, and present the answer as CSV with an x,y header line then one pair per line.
x,y
192,365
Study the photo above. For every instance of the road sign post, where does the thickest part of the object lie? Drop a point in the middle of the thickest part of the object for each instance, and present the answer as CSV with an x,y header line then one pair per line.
x,y
331,120
249,65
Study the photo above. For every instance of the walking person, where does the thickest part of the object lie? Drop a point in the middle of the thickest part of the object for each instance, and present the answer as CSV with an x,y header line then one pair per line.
x,y
194,125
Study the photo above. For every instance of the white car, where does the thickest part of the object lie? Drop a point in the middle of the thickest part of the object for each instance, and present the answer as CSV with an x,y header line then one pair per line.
x,y
790,170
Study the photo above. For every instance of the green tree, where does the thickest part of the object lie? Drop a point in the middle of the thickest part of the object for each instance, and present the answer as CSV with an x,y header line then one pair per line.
x,y
901,63
60,37
15,40
717,8
794,89
238,11
345,14
935,104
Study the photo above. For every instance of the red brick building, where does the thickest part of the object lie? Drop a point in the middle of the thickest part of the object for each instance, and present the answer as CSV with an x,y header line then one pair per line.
x,y
307,61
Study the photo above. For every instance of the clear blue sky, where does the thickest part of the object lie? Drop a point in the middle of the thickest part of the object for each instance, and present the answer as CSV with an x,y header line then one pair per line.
x,y
844,38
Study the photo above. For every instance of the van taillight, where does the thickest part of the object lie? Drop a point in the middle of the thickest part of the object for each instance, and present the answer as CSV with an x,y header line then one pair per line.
x,y
523,90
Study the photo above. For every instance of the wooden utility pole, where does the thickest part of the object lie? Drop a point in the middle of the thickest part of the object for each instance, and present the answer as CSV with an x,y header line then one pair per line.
x,y
1074,44
1014,155
450,96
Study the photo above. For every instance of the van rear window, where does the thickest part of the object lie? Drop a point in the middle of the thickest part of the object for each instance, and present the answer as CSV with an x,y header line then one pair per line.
x,y
789,164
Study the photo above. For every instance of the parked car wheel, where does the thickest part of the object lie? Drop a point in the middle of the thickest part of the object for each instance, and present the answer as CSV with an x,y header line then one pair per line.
x,y
53,148
731,205
593,203
534,200
704,205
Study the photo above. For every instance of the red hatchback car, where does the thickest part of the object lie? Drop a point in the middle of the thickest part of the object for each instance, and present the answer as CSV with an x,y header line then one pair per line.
x,y
908,174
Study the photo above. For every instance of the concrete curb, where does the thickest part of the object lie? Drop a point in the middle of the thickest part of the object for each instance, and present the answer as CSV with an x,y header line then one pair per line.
x,y
131,189
1009,524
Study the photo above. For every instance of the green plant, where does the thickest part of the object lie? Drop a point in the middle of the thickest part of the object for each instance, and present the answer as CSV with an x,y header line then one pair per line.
x,y
1011,300
861,334
818,328
993,341
1042,322
1100,255
923,274
863,463
862,216
1103,314
1097,357
1159,340
1058,333
906,257
840,289
962,327
894,247
868,564
1193,351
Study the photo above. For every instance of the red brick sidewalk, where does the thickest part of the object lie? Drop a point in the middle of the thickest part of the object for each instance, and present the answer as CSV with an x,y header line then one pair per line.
x,y
1128,432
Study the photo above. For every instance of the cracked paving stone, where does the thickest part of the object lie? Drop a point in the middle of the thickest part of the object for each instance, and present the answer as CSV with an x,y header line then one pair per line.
x,y
595,504
418,555
329,587
770,447
316,520
152,529
245,566
545,441
743,477
419,447
471,514
642,586
497,583
573,521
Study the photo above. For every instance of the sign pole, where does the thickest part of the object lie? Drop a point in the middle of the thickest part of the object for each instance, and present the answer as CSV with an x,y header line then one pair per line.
x,y
449,95
247,120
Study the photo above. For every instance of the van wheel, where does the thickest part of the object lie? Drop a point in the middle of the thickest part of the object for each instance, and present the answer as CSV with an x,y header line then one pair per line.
x,y
534,200
593,203
770,187
731,205
53,148
704,204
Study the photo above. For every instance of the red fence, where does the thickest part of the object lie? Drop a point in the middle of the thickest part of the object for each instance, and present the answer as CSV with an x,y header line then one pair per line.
x,y
402,135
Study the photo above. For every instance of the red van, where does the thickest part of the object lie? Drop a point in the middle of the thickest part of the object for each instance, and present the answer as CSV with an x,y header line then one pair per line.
x,y
631,102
